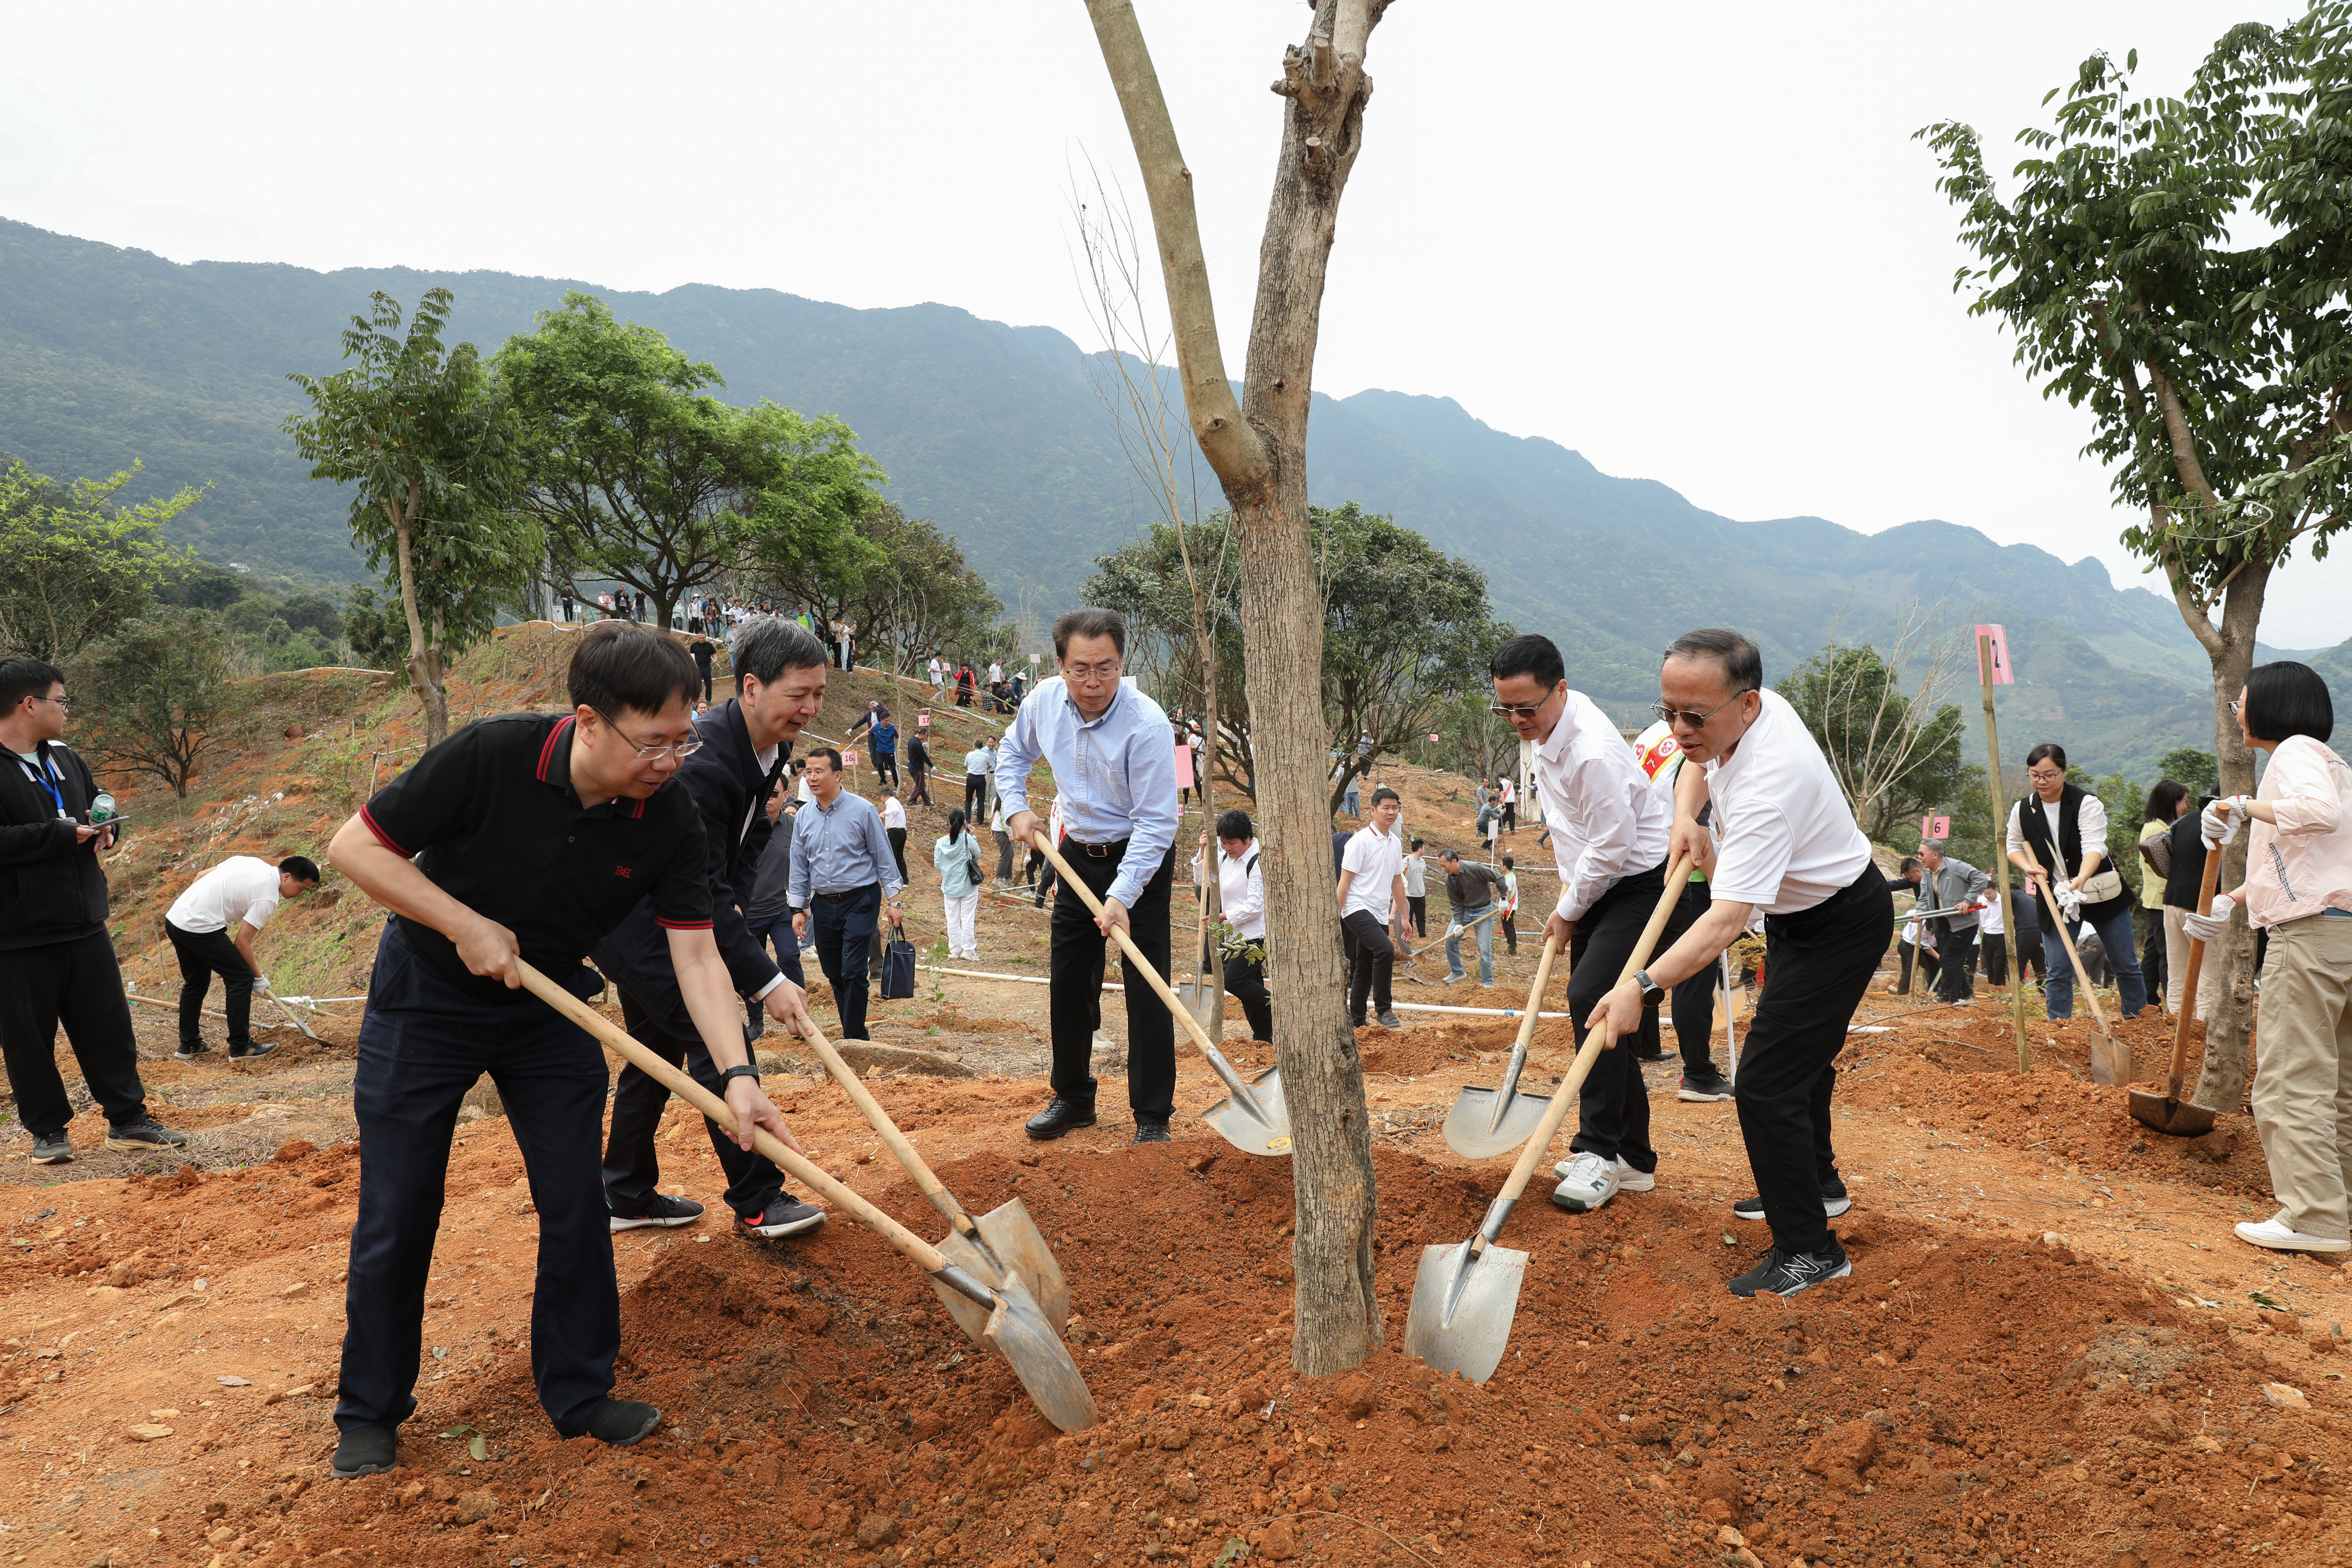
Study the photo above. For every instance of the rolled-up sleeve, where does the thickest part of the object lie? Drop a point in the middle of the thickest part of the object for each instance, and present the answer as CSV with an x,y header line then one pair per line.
x,y
1152,779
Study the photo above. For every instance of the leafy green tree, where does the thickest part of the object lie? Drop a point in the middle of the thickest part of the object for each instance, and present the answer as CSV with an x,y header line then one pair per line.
x,y
373,628
2181,269
1895,757
155,691
314,613
426,439
639,474
2192,767
78,564
200,585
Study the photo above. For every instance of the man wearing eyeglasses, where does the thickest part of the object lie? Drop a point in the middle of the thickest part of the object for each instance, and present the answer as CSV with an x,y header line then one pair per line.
x,y
528,836
844,878
1791,848
1608,841
1114,761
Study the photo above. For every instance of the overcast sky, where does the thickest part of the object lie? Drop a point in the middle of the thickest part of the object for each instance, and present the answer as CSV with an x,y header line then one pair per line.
x,y
1694,243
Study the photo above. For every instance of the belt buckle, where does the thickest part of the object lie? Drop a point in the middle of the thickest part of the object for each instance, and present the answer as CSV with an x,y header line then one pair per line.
x,y
1099,851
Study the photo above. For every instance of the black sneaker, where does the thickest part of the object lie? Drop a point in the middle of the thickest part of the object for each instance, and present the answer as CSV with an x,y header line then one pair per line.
x,y
1834,1203
1062,1116
1150,1132
1705,1087
52,1149
785,1217
190,1052
145,1136
252,1048
622,1422
1786,1273
1389,1021
659,1209
365,1452
1642,1056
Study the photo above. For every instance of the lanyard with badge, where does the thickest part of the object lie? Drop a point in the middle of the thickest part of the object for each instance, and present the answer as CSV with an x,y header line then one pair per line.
x,y
44,774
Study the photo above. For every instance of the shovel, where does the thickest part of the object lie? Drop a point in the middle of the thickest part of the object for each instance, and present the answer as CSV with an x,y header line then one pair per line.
x,y
1254,1119
2167,1113
1464,1297
1488,1122
1016,1325
1200,997
2110,1058
992,1249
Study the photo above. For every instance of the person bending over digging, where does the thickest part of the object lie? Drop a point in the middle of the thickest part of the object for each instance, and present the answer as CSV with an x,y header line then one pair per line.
x,y
1791,848
1609,840
527,836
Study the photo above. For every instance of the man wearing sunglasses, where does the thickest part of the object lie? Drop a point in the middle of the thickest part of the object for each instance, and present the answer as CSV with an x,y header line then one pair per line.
x,y
1609,840
1791,848
528,836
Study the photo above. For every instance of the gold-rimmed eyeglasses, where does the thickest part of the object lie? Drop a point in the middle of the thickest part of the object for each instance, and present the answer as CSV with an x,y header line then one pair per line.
x,y
681,750
1685,716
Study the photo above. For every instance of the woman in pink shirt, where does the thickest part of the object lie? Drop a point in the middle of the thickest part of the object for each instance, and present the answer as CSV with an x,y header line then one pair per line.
x,y
2298,888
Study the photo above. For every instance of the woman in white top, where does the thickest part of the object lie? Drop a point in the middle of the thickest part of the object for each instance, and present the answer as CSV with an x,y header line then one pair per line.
x,y
956,857
2298,888
2066,837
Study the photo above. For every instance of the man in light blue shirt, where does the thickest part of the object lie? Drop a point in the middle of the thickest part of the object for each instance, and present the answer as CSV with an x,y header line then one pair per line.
x,y
1114,761
842,870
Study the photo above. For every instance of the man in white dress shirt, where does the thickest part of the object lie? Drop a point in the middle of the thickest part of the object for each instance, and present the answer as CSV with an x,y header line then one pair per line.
x,y
1372,907
1789,847
1240,899
213,927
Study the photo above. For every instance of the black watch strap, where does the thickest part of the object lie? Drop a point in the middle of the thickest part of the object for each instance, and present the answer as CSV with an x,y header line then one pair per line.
x,y
1651,992
746,1069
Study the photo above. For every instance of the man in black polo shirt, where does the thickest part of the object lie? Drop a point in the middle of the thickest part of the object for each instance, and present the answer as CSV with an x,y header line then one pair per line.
x,y
527,835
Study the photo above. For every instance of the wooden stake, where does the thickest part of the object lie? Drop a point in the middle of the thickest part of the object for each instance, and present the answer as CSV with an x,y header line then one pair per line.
x,y
2000,854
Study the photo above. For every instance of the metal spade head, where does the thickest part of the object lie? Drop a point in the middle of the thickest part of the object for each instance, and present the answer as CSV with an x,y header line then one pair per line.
x,y
2177,1118
1474,1131
1010,1242
2110,1059
1257,1123
1019,1332
1200,999
1463,1306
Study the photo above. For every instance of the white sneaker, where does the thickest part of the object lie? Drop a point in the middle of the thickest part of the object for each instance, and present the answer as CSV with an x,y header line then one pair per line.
x,y
1630,1180
2276,1235
1588,1183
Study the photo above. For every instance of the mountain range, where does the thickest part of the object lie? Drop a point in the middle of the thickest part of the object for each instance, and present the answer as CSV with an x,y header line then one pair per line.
x,y
997,433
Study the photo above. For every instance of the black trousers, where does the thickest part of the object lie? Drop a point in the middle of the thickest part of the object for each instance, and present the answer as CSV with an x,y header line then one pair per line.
x,y
1245,984
1417,912
1818,965
1929,964
886,767
898,836
1508,920
975,796
423,1043
632,1167
79,985
1613,1112
705,673
918,781
1077,967
1996,959
1371,964
1955,951
841,931
202,955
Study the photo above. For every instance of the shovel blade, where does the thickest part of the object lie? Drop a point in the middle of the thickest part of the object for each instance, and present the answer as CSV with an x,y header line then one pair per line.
x,y
2110,1060
1019,1332
1462,1308
1472,1132
1260,1125
1010,1242
2177,1118
1201,1001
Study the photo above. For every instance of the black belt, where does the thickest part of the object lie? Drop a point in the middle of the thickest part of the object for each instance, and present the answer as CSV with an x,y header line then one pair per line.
x,y
1096,851
848,893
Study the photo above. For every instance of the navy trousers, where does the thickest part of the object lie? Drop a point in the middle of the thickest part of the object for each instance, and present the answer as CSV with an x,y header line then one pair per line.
x,y
841,929
422,1046
632,1164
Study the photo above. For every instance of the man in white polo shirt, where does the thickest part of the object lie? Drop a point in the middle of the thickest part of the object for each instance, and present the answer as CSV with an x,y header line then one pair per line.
x,y
1371,905
212,926
1789,847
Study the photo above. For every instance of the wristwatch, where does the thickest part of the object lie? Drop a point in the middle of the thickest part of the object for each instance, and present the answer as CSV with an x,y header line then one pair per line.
x,y
1651,992
741,1069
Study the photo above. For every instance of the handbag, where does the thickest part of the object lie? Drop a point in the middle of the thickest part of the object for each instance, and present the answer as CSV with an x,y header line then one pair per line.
x,y
897,969
2104,886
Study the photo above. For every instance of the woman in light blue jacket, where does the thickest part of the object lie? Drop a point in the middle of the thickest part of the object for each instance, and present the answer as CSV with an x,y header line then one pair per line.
x,y
956,857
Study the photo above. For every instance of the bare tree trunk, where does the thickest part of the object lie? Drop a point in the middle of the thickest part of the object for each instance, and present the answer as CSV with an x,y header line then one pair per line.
x,y
423,666
2221,1080
1258,452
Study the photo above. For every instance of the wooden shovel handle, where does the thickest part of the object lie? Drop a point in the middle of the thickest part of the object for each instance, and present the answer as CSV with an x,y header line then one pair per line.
x,y
914,1247
2067,939
2205,886
886,1129
1125,943
1538,1143
1535,994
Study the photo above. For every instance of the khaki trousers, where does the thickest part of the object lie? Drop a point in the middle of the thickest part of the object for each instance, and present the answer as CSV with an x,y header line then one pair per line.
x,y
2176,966
2303,1075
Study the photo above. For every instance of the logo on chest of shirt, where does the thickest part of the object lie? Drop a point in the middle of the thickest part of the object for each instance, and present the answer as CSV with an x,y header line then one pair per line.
x,y
620,870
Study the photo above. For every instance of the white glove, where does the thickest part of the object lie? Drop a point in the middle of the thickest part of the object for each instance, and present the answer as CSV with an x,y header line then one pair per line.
x,y
2217,823
2070,901
1454,929
261,984
2205,926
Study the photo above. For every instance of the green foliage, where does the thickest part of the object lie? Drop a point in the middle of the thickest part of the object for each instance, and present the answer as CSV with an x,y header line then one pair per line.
x,y
903,583
2127,803
201,585
153,693
373,627
2196,769
78,563
1894,763
640,476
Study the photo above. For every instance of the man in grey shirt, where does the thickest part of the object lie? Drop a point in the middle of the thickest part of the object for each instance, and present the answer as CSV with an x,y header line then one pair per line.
x,y
1471,890
842,873
1948,884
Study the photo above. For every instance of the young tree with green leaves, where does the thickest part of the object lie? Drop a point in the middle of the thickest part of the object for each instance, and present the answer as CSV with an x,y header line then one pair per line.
x,y
427,441
154,692
2217,369
2196,769
79,563
1895,755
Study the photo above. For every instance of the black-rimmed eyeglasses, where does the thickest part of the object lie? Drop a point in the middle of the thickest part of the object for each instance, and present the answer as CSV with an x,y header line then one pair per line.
x,y
681,750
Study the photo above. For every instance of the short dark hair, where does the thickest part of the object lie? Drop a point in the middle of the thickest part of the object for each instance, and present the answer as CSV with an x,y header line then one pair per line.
x,y
24,677
1385,792
1743,665
1416,844
1234,824
1090,621
1529,653
828,752
766,646
301,867
627,664
2286,699
1508,861
1910,863
2164,801
2048,752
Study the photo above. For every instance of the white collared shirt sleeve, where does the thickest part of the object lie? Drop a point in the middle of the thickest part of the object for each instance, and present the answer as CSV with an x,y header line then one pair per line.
x,y
1151,785
1015,757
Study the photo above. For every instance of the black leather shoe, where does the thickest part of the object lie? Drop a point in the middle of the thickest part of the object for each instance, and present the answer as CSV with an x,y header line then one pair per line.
x,y
365,1452
1060,1117
1150,1132
623,1422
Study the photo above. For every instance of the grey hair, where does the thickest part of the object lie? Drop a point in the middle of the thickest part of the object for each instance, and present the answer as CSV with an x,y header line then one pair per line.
x,y
767,645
